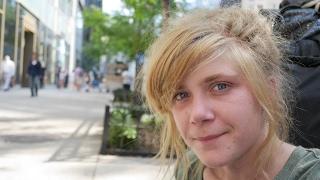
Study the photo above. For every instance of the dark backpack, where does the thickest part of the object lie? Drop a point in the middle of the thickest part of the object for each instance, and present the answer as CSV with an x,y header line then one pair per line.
x,y
300,23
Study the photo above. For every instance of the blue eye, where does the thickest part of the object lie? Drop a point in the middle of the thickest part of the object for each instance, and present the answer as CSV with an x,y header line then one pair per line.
x,y
180,96
218,87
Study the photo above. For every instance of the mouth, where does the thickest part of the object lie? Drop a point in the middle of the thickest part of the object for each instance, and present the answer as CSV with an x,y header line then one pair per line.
x,y
208,138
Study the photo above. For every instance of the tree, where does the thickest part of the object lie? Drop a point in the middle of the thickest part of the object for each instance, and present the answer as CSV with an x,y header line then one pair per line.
x,y
97,40
166,13
130,32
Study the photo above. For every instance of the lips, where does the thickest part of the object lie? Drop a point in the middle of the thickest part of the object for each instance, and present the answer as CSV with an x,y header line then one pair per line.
x,y
209,137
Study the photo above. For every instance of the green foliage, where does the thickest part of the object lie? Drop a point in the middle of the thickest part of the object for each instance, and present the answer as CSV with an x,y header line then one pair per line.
x,y
131,127
95,21
122,131
150,120
129,33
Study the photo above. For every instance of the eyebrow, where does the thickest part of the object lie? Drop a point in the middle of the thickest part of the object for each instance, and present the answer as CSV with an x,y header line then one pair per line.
x,y
217,76
212,78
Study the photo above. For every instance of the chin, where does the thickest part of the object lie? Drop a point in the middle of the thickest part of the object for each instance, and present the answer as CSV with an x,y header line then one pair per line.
x,y
214,163
213,160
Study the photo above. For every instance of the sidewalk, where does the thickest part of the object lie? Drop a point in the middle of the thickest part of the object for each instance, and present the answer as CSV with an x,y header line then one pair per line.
x,y
58,136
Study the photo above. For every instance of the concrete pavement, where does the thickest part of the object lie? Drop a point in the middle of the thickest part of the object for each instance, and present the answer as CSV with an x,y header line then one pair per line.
x,y
58,136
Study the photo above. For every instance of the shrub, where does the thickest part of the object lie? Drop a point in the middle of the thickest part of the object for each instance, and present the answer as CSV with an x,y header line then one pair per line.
x,y
123,130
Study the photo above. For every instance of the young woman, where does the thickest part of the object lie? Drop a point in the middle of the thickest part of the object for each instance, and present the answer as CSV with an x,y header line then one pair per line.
x,y
215,78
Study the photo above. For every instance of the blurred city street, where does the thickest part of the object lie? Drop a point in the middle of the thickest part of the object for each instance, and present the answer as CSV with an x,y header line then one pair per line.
x,y
58,136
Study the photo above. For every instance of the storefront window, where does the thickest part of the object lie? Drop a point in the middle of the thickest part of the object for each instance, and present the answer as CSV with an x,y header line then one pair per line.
x,y
48,56
65,7
9,32
17,54
1,4
41,41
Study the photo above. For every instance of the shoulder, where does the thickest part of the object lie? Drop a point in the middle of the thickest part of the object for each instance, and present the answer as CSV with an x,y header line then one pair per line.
x,y
190,167
302,164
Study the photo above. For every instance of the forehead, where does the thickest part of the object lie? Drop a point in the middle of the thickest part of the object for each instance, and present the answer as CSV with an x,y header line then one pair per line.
x,y
220,67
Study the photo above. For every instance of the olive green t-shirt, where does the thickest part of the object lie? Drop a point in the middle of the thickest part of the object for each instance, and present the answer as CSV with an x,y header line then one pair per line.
x,y
303,164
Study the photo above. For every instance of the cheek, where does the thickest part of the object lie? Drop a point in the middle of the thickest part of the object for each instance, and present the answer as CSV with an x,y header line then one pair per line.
x,y
252,125
245,115
181,121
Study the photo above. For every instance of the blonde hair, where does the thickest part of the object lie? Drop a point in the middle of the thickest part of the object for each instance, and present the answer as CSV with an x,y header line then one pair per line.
x,y
199,37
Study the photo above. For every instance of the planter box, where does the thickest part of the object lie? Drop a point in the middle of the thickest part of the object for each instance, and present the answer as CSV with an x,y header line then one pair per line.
x,y
145,144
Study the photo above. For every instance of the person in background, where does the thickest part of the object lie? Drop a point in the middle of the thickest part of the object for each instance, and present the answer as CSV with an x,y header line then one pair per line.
x,y
94,74
8,70
215,77
57,76
66,80
34,72
87,81
78,78
42,76
62,78
126,80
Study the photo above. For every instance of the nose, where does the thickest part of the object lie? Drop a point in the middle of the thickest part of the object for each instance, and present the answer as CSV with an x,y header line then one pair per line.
x,y
201,109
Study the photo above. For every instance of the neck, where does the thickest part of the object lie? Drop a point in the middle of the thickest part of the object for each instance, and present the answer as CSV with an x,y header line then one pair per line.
x,y
246,169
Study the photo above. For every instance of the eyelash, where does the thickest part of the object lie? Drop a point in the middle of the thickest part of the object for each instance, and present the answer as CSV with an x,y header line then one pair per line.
x,y
216,85
179,96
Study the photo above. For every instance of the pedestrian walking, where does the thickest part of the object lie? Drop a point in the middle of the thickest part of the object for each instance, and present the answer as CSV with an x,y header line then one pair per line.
x,y
95,76
66,80
78,78
127,80
34,72
57,76
62,77
42,76
8,70
87,81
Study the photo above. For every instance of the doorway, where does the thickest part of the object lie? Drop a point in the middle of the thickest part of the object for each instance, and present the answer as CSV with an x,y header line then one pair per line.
x,y
27,54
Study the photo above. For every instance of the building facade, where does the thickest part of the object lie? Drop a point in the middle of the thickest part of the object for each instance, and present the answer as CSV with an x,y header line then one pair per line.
x,y
252,4
260,4
96,3
48,28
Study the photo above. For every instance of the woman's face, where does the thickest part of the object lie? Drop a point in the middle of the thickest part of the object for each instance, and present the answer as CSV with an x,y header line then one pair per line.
x,y
217,115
